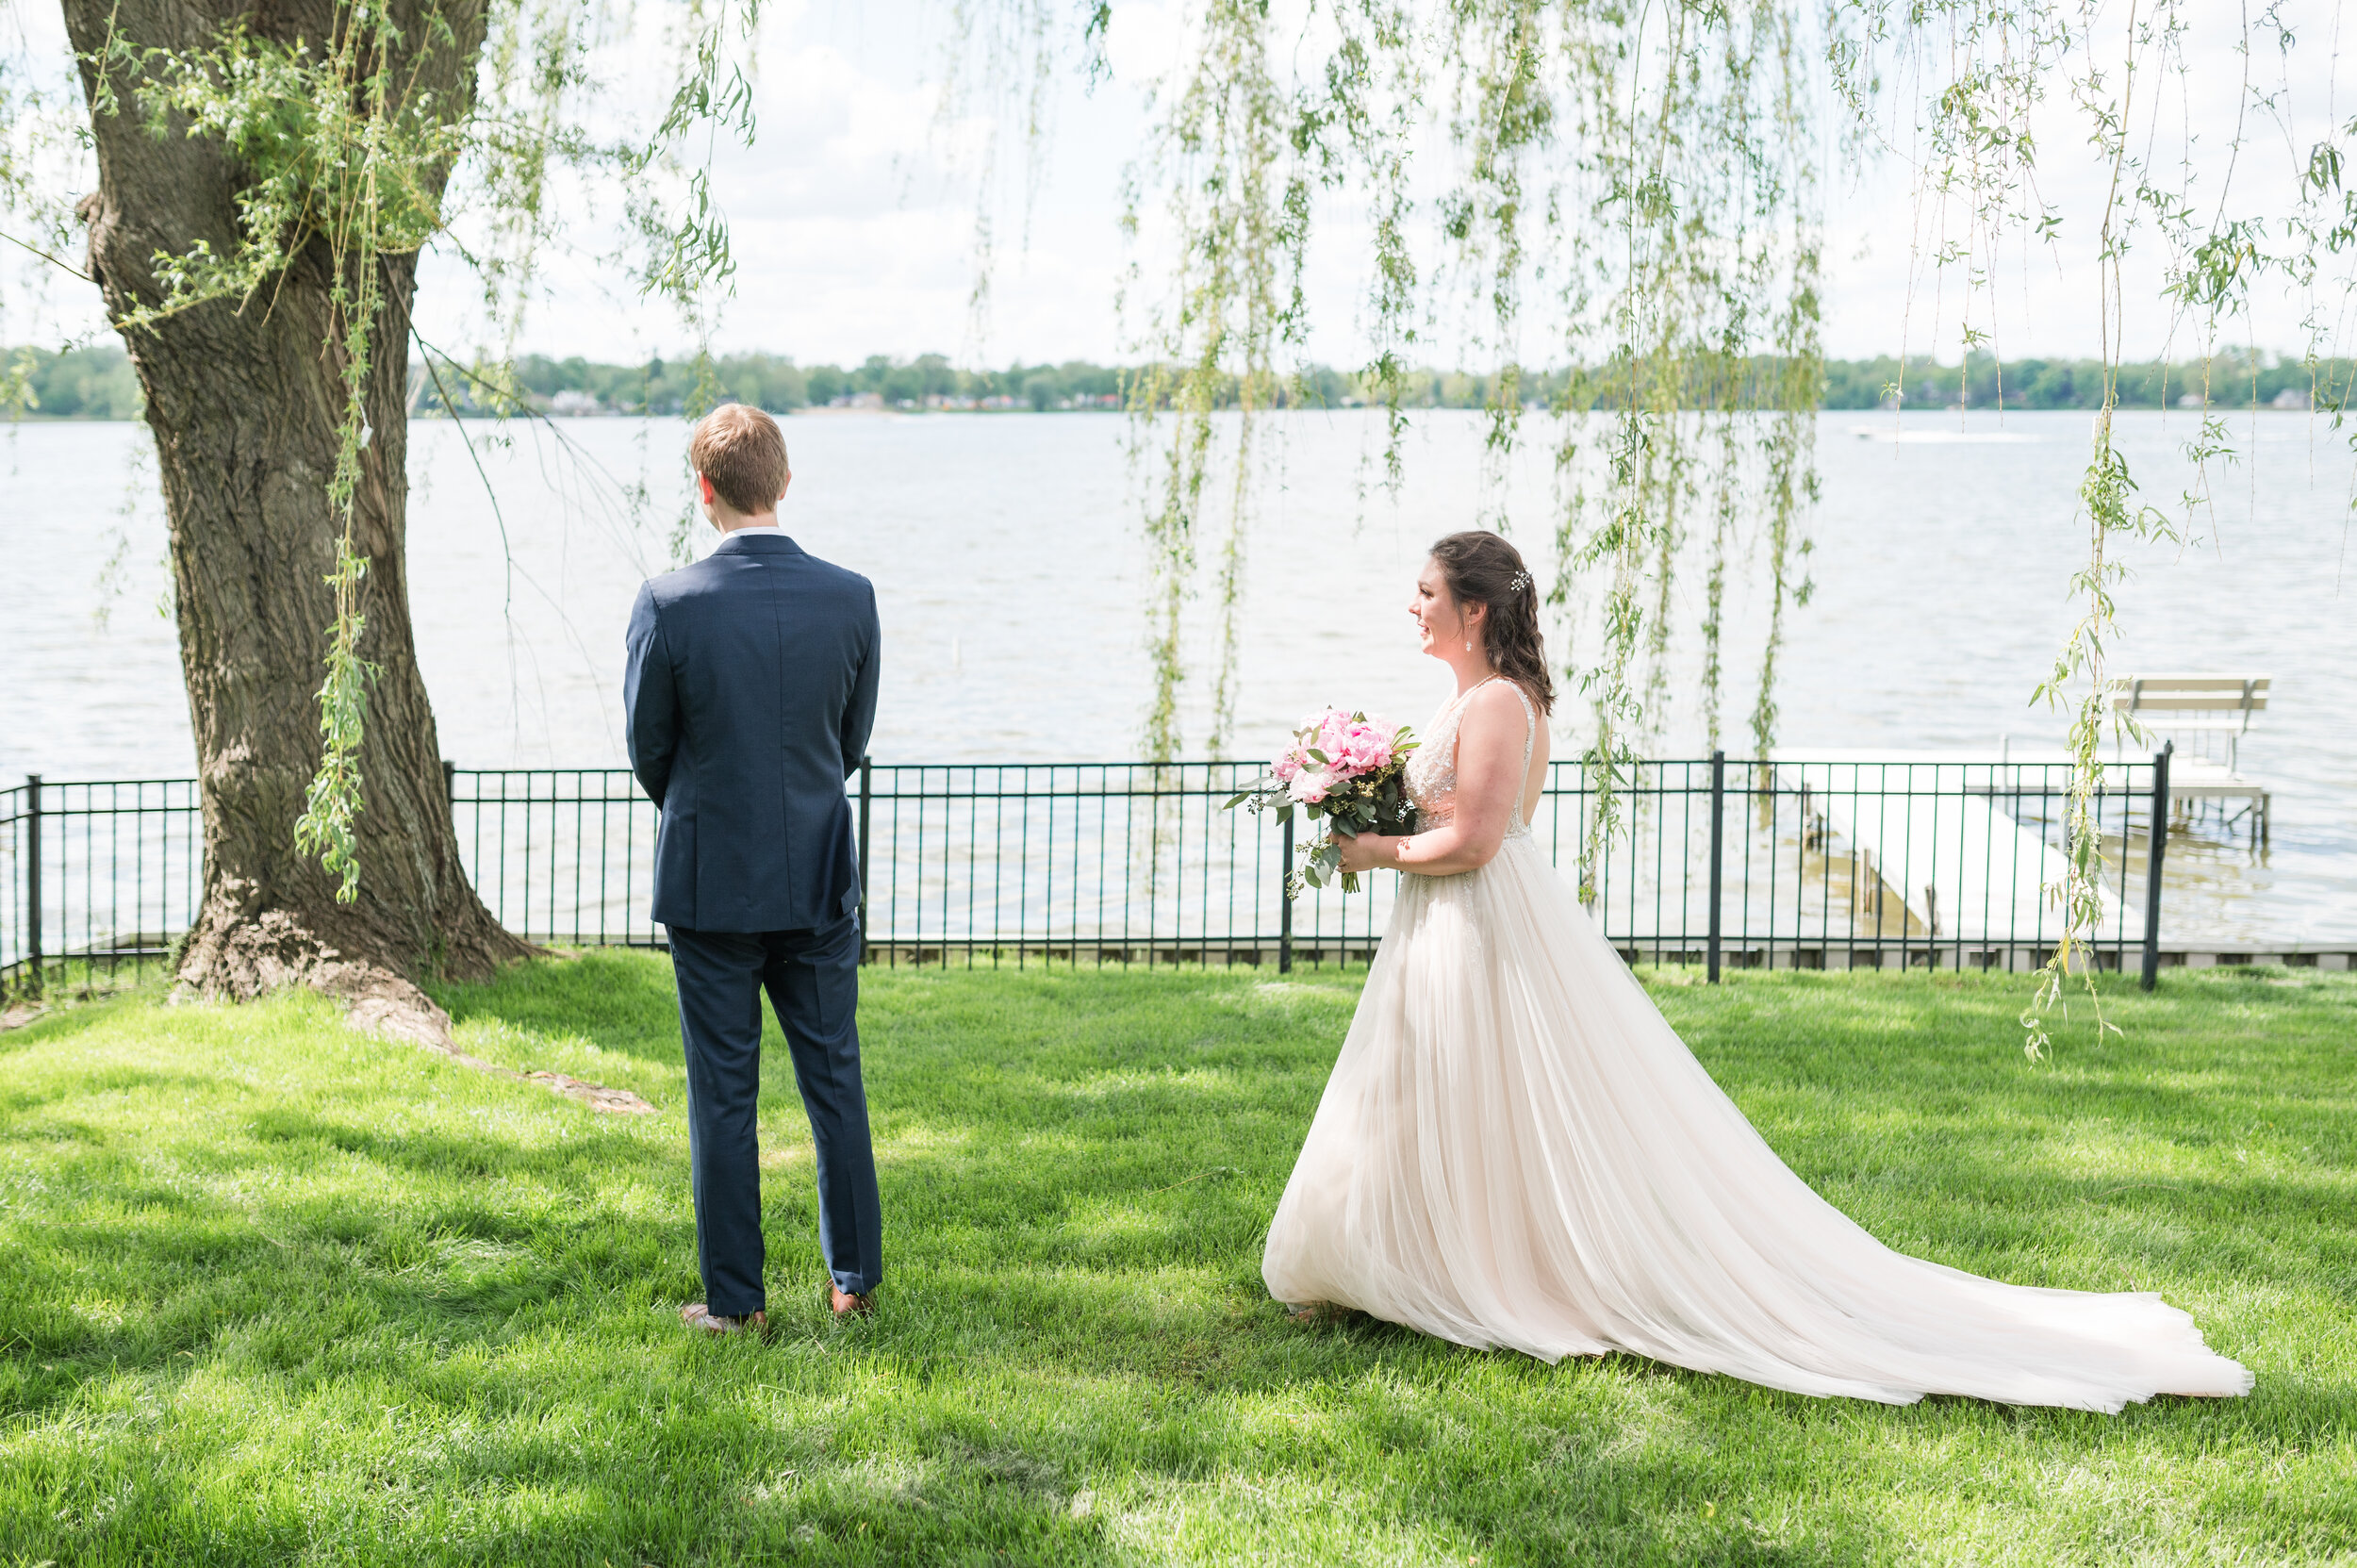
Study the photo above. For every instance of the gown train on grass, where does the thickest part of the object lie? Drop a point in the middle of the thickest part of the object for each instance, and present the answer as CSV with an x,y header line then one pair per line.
x,y
1516,1150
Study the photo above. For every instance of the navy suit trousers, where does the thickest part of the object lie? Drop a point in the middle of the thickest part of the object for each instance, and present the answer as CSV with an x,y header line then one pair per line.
x,y
813,981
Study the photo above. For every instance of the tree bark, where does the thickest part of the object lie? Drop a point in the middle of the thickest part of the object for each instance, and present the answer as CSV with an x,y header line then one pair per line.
x,y
245,399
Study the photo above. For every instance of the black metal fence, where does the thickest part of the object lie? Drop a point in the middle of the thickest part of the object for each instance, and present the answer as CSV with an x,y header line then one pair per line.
x,y
103,873
1785,861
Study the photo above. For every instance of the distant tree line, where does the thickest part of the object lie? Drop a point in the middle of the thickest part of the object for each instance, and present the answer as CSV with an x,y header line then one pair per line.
x,y
2235,380
87,384
98,384
774,382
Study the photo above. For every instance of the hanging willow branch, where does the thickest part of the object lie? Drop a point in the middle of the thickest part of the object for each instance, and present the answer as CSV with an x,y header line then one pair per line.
x,y
1985,67
1222,148
1645,174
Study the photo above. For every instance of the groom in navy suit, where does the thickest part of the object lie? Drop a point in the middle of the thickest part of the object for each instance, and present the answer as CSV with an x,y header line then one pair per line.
x,y
750,689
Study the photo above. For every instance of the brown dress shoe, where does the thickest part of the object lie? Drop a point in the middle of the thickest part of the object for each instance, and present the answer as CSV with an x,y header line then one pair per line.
x,y
696,1315
844,1304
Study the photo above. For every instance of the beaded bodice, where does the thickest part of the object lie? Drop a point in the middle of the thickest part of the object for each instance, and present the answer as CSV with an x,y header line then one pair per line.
x,y
1432,768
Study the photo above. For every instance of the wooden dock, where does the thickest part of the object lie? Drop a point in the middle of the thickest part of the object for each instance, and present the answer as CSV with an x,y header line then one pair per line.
x,y
2197,784
1939,846
1962,866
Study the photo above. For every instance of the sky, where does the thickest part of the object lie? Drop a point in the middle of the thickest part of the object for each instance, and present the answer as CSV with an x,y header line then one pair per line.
x,y
854,214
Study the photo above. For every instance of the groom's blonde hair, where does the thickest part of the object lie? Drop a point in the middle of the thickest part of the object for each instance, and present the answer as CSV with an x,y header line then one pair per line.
x,y
742,453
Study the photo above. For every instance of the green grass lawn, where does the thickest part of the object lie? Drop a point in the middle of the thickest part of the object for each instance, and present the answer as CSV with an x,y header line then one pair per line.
x,y
272,1291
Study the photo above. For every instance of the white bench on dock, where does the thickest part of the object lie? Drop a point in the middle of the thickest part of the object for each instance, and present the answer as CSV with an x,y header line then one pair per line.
x,y
2219,703
2198,703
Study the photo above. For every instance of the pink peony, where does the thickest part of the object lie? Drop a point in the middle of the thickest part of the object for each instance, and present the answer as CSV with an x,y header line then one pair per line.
x,y
1367,750
1310,789
1353,746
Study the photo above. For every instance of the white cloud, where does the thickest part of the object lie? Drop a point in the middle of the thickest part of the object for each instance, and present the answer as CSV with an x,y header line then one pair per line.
x,y
852,217
1142,43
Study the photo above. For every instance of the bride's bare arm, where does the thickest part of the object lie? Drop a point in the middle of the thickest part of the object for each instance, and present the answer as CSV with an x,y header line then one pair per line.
x,y
1488,785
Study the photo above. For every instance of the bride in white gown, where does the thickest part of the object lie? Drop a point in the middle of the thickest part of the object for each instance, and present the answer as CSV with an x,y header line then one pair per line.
x,y
1515,1150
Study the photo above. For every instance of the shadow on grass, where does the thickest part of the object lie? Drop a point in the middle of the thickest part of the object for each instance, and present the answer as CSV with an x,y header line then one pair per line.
x,y
619,1000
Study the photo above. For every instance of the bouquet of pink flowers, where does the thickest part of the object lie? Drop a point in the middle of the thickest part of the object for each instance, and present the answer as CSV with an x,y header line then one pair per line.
x,y
1350,770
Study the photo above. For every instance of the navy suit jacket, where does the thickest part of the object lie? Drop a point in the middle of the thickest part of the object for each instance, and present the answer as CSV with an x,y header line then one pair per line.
x,y
750,692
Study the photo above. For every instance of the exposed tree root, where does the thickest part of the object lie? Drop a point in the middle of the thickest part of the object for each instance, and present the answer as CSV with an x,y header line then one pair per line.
x,y
274,951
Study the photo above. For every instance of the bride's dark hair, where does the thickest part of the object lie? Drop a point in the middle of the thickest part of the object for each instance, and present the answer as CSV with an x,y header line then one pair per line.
x,y
1482,568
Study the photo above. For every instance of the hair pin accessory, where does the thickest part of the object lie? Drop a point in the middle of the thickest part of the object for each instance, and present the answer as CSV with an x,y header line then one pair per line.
x,y
1522,581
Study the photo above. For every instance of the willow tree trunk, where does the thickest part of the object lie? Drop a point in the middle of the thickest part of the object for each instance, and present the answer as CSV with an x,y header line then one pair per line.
x,y
245,401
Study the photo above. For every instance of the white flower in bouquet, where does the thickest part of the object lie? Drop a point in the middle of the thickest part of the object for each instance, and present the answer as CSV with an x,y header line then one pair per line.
x,y
1347,768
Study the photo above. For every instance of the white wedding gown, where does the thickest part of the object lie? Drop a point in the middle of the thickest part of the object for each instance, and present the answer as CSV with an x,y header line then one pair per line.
x,y
1515,1150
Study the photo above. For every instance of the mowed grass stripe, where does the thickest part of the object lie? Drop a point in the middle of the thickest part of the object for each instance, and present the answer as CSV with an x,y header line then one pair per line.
x,y
273,1291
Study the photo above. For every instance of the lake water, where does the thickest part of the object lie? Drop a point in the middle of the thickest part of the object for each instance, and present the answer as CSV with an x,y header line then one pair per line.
x,y
1006,555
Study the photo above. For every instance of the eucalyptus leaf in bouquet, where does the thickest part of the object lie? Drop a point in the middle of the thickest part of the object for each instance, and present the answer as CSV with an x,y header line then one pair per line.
x,y
1346,771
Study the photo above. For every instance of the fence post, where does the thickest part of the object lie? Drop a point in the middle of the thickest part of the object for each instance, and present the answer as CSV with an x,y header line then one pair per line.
x,y
1718,837
450,783
32,876
1284,898
866,781
2155,850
